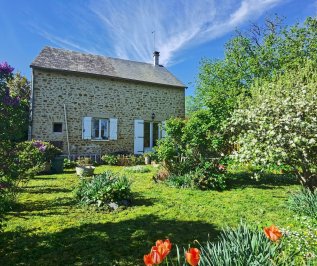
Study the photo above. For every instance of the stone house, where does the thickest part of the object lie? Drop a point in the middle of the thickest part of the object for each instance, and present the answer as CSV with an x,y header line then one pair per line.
x,y
91,105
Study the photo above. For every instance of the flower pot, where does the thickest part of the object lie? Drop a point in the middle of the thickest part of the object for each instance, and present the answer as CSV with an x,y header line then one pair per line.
x,y
147,159
58,165
85,170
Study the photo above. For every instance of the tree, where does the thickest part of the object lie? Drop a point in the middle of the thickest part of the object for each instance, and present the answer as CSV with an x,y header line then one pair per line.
x,y
190,106
17,161
262,52
14,104
277,125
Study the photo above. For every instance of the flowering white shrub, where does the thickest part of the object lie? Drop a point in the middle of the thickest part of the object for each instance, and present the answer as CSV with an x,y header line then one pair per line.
x,y
278,124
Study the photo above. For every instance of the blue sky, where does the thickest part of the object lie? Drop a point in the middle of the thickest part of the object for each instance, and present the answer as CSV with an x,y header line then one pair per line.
x,y
185,30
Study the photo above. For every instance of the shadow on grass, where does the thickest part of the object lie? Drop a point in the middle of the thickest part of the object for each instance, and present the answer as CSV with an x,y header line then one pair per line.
x,y
112,243
42,190
139,200
267,181
45,178
44,205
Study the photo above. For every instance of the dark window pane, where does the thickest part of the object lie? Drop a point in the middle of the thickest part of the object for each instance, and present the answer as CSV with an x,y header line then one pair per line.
x,y
155,133
146,134
57,127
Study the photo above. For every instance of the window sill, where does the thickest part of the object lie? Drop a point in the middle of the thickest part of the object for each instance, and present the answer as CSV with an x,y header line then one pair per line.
x,y
100,140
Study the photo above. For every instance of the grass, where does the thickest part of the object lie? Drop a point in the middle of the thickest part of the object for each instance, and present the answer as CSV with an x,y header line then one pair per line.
x,y
49,228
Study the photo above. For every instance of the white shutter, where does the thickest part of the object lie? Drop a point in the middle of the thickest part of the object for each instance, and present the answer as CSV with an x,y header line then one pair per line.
x,y
138,136
113,129
87,128
163,132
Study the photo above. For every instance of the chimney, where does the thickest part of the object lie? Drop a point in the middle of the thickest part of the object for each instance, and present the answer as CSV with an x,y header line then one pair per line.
x,y
156,56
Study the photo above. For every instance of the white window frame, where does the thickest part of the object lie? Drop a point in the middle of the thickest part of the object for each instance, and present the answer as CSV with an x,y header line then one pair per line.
x,y
151,133
88,128
99,128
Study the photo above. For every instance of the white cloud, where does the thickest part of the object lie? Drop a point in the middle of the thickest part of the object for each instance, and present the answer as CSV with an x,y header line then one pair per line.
x,y
124,28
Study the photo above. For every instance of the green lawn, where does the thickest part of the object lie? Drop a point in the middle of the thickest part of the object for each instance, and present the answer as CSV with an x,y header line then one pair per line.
x,y
48,228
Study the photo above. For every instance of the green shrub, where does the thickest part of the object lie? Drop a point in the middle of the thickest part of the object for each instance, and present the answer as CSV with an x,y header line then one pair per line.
x,y
130,160
136,160
109,159
304,202
104,188
6,201
245,246
68,164
209,175
180,181
83,161
201,179
138,169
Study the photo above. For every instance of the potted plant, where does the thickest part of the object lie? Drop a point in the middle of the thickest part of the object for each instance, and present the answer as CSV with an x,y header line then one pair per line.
x,y
84,167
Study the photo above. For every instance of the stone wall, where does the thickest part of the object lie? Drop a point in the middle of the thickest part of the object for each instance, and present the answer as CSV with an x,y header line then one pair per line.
x,y
93,96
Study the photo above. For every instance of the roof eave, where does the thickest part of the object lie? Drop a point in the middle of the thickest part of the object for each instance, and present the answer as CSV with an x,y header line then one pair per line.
x,y
107,76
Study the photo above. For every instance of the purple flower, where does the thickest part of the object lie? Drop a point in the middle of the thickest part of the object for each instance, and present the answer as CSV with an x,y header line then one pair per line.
x,y
5,68
42,148
39,145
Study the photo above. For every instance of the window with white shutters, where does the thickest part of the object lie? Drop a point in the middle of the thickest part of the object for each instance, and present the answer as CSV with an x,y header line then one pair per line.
x,y
100,128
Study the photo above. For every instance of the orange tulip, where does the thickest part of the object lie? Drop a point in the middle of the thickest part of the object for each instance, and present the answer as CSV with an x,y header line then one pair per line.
x,y
193,256
272,233
148,260
164,248
156,255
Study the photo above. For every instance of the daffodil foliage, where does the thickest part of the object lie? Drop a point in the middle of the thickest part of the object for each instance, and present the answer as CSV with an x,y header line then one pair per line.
x,y
277,124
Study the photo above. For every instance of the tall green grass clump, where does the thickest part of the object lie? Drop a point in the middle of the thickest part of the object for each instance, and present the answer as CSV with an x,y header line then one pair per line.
x,y
304,202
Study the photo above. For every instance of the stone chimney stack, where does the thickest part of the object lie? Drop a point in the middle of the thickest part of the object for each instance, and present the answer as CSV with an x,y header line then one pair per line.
x,y
156,56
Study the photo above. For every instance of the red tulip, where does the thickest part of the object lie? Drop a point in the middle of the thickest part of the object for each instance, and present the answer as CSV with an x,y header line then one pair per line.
x,y
193,256
272,233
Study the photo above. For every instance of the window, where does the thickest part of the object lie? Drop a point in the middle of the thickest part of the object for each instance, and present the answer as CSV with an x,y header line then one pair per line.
x,y
100,128
151,134
57,127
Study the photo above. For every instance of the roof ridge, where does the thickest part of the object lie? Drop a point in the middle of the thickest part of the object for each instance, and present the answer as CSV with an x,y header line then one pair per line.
x,y
97,55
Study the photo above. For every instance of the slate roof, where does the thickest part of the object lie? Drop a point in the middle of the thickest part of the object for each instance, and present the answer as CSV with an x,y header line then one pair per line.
x,y
65,60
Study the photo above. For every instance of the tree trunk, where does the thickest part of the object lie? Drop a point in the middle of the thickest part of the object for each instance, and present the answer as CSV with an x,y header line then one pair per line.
x,y
308,180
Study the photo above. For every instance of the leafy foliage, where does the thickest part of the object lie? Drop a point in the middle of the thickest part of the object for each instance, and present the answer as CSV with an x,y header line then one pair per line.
x,y
262,52
206,176
122,160
304,202
109,159
210,175
277,125
104,188
23,160
180,181
192,150
68,164
245,246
